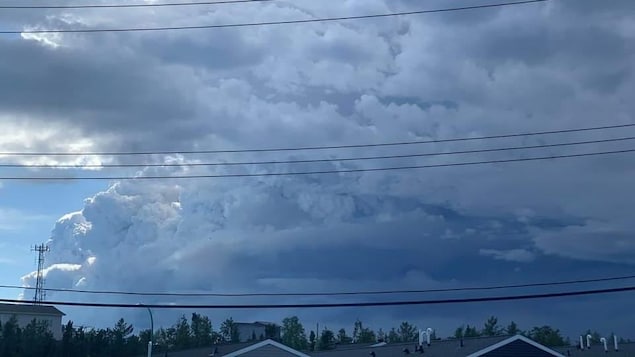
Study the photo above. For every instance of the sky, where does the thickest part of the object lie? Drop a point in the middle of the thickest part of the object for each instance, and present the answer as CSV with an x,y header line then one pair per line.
x,y
561,64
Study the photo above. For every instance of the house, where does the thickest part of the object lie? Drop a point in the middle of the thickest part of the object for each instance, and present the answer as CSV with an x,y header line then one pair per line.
x,y
25,313
266,348
258,330
499,346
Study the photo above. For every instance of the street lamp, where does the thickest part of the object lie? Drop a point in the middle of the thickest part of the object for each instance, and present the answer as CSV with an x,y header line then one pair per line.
x,y
151,330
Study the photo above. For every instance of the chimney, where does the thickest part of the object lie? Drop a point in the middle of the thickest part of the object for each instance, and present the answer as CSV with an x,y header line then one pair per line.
x,y
603,341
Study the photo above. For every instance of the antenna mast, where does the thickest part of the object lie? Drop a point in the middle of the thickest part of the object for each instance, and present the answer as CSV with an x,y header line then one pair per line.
x,y
40,294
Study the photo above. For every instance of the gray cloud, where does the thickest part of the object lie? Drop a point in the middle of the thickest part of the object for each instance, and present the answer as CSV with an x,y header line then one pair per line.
x,y
594,241
564,64
512,255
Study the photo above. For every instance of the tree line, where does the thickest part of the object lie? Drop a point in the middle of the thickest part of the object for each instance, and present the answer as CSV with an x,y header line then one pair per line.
x,y
294,336
36,339
545,335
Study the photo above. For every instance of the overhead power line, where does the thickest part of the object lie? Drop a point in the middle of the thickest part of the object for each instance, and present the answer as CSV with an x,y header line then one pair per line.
x,y
306,148
340,305
340,293
272,23
298,173
359,158
114,6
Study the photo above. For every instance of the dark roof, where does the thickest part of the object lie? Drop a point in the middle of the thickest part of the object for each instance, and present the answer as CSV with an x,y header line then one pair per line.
x,y
265,323
29,309
438,348
221,350
625,350
445,348
518,346
250,323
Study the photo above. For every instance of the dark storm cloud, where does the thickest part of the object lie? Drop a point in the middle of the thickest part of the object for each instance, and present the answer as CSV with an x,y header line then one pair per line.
x,y
527,68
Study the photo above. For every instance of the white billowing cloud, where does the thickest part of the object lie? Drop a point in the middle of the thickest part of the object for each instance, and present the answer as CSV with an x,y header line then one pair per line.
x,y
60,274
512,255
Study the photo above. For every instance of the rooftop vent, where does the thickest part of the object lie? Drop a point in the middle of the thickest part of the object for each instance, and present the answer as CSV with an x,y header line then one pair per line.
x,y
615,343
428,334
588,341
603,341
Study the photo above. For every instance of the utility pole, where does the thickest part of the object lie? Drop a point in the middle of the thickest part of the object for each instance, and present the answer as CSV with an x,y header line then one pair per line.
x,y
40,294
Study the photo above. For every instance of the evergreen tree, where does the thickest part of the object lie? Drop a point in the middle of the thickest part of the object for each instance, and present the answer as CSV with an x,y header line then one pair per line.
x,y
471,331
68,337
37,340
98,344
381,335
229,331
118,337
547,336
293,334
144,338
312,341
11,341
393,336
201,330
407,332
512,329
80,343
327,340
459,332
342,337
183,335
367,336
491,327
363,334
272,331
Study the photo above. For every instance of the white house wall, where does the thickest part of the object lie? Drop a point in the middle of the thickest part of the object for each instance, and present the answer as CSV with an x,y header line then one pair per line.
x,y
54,322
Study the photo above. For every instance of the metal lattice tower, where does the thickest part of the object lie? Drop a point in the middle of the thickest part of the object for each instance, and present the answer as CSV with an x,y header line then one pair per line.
x,y
40,294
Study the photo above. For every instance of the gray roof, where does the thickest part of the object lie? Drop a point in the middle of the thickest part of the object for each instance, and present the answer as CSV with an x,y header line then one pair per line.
x,y
29,309
445,348
221,350
625,350
438,348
